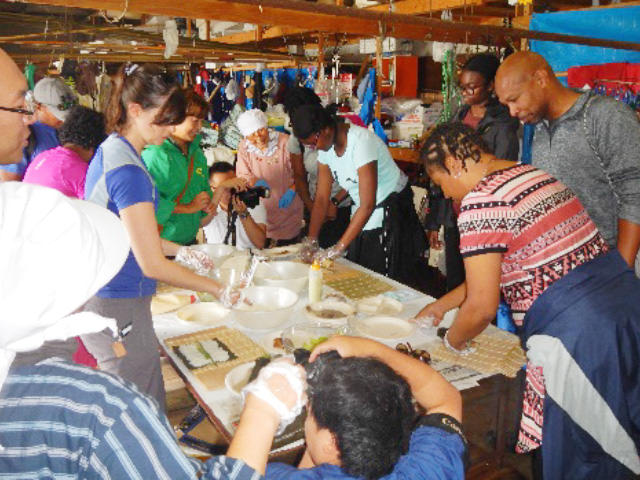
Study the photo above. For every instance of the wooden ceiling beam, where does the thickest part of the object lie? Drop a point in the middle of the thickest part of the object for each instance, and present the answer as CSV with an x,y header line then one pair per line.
x,y
331,18
182,50
411,7
420,7
250,35
13,38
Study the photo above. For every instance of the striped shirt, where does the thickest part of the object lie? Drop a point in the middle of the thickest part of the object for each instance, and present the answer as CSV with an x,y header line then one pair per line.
x,y
64,421
536,222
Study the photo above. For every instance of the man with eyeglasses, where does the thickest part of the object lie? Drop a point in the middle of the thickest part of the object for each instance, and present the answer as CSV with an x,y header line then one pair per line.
x,y
50,102
15,116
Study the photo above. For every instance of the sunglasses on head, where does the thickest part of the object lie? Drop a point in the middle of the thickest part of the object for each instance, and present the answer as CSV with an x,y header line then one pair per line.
x,y
419,354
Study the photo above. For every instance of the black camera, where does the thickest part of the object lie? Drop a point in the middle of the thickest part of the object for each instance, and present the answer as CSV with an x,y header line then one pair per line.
x,y
251,196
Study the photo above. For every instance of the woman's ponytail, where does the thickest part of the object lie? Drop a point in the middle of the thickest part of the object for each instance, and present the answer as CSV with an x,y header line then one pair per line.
x,y
115,114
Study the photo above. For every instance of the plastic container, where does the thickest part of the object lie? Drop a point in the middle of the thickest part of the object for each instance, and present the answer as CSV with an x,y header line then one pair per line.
x,y
270,308
315,283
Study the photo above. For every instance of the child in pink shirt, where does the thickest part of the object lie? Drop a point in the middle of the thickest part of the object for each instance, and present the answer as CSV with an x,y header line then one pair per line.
x,y
64,168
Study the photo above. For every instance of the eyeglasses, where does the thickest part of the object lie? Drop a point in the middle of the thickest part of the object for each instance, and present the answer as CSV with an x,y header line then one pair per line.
x,y
29,102
418,354
470,90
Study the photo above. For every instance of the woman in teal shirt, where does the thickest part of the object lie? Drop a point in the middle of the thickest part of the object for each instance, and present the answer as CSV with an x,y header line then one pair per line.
x,y
384,233
179,169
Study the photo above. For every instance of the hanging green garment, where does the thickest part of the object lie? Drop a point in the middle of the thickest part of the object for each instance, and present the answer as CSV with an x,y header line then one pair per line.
x,y
29,73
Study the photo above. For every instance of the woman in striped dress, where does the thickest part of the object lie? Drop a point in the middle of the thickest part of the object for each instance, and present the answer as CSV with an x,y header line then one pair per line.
x,y
525,234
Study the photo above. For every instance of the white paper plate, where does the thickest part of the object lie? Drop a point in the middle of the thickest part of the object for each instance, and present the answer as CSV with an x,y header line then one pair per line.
x,y
384,328
206,313
380,305
313,312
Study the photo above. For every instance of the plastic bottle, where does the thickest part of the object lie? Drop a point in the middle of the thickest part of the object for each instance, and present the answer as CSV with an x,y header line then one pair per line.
x,y
315,282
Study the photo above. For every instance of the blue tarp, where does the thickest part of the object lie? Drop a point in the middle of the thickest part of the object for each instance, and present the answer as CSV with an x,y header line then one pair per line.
x,y
608,23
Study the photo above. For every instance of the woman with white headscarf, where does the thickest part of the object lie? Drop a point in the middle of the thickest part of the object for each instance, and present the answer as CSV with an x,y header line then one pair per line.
x,y
263,157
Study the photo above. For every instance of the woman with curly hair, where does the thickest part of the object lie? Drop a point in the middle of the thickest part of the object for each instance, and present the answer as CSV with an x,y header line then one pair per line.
x,y
65,168
526,235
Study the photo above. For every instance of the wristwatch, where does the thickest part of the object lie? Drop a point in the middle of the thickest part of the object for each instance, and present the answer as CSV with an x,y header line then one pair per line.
x,y
335,201
243,215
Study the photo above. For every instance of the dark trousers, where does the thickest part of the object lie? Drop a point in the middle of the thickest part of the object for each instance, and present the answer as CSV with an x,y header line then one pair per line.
x,y
332,230
453,258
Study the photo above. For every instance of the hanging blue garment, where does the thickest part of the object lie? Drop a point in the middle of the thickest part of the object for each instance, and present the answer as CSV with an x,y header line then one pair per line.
x,y
369,99
377,128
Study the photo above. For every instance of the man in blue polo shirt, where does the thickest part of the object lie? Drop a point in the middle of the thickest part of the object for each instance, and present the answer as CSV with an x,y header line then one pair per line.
x,y
52,99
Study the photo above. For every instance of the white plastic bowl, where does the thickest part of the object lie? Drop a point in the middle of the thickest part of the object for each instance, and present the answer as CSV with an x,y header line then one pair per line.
x,y
291,275
218,252
238,377
206,313
271,307
314,312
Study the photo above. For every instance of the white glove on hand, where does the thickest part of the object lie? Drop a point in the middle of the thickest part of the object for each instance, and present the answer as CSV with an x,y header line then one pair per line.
x,y
281,385
231,297
338,250
196,260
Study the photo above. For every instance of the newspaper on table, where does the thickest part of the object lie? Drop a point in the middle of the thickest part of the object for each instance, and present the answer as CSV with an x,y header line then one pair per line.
x,y
460,377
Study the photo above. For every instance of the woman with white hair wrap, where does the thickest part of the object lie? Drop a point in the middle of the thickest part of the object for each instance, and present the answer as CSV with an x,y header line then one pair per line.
x,y
263,158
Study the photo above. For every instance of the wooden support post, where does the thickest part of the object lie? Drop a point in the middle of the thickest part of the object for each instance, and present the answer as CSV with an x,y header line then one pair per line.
x,y
207,29
320,56
524,11
259,31
379,40
188,27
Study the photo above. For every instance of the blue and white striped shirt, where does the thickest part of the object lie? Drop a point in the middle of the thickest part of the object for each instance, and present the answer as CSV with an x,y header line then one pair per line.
x,y
64,421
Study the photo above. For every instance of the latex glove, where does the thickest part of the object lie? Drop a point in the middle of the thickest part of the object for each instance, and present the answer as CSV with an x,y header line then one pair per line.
x,y
262,183
230,297
280,389
336,251
287,198
308,250
195,260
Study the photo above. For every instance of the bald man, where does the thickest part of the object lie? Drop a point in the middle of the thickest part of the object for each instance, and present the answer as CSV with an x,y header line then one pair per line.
x,y
589,142
15,116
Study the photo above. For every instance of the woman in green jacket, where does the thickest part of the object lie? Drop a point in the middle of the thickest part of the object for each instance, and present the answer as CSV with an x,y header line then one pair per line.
x,y
180,171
